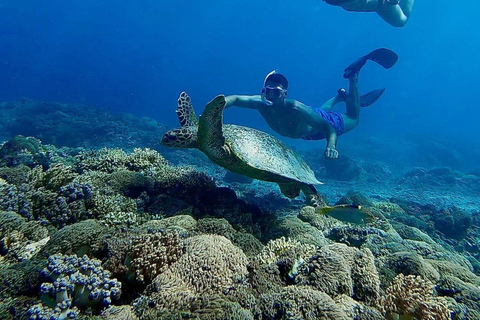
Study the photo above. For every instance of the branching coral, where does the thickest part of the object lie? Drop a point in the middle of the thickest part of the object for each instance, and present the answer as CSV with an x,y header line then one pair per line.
x,y
151,254
276,248
411,297
74,281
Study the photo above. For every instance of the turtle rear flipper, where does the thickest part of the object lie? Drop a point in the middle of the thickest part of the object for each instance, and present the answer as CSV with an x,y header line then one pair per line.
x,y
289,190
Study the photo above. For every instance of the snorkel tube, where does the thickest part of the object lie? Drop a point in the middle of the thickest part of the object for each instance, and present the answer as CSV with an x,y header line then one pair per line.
x,y
264,98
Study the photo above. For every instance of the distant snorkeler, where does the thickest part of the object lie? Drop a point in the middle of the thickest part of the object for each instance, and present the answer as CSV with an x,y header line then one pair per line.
x,y
395,12
294,119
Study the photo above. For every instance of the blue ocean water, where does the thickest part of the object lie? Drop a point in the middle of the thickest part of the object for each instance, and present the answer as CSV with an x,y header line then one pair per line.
x,y
136,57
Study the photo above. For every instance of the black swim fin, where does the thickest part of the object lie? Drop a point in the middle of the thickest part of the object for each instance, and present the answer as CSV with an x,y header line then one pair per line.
x,y
383,56
368,99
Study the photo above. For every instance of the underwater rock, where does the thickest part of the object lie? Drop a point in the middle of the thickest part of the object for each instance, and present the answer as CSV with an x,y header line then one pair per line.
x,y
452,222
344,168
356,198
409,263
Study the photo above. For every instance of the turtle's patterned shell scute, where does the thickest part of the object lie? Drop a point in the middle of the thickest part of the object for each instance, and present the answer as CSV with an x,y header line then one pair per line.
x,y
264,152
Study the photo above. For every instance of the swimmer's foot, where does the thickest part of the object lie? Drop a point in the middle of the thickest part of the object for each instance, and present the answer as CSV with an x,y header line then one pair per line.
x,y
384,57
370,98
341,94
338,2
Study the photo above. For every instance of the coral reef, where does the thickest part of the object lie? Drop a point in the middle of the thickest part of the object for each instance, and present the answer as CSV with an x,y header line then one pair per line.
x,y
411,297
185,243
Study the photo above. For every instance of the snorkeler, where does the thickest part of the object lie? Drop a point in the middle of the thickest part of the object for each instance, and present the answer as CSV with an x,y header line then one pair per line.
x,y
293,119
395,12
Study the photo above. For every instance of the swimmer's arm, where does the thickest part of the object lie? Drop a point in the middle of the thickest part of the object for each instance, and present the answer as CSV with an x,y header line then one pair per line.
x,y
331,137
249,102
321,125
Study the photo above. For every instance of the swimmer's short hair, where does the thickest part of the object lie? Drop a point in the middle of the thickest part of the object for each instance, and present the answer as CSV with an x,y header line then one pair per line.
x,y
277,79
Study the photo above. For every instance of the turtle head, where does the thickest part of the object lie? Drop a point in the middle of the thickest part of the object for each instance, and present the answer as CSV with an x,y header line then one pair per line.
x,y
184,137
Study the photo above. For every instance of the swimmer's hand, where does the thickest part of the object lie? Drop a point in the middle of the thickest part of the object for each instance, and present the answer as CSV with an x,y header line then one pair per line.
x,y
331,152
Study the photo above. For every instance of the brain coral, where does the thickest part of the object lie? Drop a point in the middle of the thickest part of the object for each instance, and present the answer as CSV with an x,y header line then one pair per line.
x,y
297,302
210,265
338,269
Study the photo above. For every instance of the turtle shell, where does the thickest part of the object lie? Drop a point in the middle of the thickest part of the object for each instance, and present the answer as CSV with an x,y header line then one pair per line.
x,y
265,152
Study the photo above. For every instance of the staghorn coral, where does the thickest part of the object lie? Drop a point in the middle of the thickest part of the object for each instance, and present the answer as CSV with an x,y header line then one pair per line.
x,y
74,282
104,160
300,303
114,210
411,297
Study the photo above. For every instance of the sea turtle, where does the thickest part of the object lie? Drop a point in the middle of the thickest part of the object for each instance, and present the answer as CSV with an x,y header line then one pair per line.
x,y
251,153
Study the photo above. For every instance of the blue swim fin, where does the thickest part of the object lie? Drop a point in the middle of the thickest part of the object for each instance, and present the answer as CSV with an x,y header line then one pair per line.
x,y
383,56
370,98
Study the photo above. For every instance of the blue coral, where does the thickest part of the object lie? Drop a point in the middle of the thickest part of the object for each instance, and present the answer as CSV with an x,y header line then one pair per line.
x,y
74,282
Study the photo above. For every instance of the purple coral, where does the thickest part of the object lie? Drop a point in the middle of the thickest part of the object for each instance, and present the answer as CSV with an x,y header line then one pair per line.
x,y
75,281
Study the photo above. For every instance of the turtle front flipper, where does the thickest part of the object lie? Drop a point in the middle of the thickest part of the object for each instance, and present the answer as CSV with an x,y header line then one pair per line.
x,y
210,131
185,112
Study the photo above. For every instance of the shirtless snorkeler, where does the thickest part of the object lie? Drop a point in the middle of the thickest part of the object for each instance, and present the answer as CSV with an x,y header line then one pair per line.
x,y
294,119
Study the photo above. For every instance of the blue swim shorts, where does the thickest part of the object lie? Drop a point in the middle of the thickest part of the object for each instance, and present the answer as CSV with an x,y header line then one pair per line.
x,y
334,118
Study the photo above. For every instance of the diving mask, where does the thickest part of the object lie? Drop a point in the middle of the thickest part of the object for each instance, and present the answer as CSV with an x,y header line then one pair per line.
x,y
271,93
